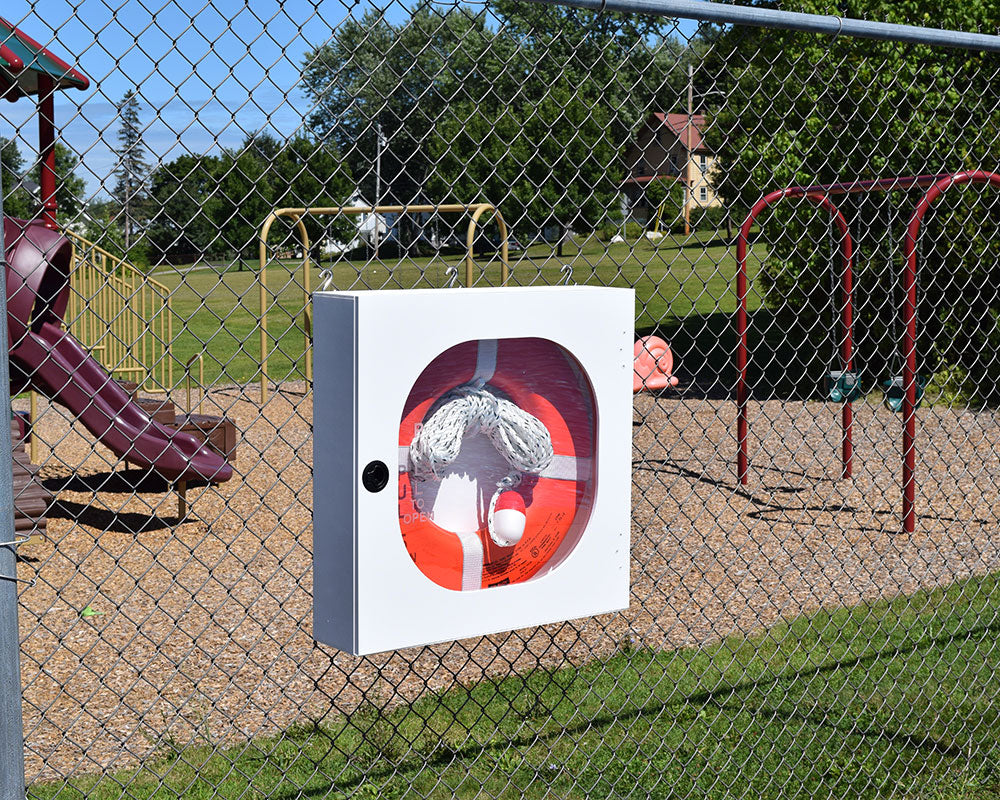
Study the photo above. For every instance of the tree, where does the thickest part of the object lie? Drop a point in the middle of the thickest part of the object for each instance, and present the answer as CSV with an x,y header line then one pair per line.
x,y
421,80
551,162
187,221
130,189
215,205
401,79
17,201
631,62
668,193
70,187
102,228
810,109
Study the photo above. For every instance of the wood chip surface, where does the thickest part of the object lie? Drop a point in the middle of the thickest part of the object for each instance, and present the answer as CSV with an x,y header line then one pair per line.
x,y
202,627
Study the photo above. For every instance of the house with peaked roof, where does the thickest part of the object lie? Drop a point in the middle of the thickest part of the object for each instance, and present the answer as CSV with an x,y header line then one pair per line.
x,y
660,151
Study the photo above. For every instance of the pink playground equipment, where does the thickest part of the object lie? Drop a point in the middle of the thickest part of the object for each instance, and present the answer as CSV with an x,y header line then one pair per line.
x,y
654,365
43,356
844,385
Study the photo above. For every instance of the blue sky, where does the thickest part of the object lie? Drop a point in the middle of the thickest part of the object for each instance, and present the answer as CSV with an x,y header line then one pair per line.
x,y
208,72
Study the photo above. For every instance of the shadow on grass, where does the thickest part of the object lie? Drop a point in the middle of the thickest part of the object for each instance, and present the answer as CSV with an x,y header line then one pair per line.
x,y
677,241
780,366
723,697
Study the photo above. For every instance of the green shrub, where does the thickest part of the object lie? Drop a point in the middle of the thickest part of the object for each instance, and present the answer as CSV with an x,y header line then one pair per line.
x,y
708,219
606,233
633,231
668,194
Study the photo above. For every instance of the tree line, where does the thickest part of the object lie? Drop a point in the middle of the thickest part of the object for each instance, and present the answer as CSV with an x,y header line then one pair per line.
x,y
436,108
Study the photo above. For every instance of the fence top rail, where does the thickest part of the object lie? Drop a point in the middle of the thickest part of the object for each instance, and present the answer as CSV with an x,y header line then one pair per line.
x,y
792,20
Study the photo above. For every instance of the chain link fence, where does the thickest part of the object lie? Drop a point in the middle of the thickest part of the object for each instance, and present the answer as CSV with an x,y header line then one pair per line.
x,y
788,632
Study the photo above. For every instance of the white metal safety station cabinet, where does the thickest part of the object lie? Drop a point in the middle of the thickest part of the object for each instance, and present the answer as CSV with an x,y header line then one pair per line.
x,y
472,461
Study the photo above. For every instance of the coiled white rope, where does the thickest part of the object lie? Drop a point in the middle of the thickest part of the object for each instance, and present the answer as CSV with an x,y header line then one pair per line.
x,y
518,436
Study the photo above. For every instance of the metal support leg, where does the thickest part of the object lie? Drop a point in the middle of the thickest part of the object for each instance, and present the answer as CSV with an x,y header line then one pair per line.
x,y
11,724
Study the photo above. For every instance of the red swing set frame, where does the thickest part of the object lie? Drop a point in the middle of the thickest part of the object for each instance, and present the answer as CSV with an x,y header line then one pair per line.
x,y
820,195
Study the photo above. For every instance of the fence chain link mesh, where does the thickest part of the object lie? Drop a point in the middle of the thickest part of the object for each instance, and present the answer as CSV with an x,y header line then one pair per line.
x,y
785,635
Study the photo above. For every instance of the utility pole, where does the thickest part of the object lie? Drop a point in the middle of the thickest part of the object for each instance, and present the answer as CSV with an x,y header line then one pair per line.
x,y
687,146
11,724
379,144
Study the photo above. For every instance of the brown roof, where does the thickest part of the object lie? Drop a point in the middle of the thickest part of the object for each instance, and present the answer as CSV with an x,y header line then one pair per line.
x,y
678,125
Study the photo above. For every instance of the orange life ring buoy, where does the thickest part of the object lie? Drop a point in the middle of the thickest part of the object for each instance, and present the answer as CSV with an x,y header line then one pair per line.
x,y
444,523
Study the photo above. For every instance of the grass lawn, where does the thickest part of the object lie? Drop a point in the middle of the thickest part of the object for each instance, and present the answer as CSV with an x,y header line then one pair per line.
x,y
217,314
894,699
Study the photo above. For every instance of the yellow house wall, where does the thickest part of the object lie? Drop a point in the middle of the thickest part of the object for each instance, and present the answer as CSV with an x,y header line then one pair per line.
x,y
697,180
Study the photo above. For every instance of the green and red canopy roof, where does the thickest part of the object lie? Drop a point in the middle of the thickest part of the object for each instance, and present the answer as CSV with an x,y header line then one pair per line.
x,y
23,61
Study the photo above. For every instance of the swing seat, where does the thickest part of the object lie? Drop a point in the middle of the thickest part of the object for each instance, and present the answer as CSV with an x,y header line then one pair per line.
x,y
895,392
653,368
843,386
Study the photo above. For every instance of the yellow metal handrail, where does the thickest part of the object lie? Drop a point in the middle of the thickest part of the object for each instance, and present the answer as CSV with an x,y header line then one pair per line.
x,y
201,381
296,214
121,315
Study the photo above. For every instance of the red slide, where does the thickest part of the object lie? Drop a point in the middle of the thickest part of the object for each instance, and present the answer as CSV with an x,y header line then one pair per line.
x,y
64,371
47,359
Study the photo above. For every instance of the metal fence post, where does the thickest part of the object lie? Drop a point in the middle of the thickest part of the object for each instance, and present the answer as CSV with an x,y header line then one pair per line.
x,y
11,725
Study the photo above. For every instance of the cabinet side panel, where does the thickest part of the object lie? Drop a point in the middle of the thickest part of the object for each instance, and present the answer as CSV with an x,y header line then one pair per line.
x,y
334,471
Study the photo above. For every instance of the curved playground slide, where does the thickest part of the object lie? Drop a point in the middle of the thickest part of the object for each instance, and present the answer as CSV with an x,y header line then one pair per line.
x,y
47,359
59,367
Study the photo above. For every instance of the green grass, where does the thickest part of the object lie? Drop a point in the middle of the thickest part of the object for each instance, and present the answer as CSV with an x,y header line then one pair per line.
x,y
896,699
216,313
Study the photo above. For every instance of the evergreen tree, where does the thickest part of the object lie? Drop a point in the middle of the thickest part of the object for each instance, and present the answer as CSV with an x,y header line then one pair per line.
x,y
131,176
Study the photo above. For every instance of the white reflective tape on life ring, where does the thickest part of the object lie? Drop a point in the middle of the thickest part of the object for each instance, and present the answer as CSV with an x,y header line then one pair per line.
x,y
561,468
472,561
567,468
486,360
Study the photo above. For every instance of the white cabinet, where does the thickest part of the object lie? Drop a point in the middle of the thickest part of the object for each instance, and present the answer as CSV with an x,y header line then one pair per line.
x,y
433,409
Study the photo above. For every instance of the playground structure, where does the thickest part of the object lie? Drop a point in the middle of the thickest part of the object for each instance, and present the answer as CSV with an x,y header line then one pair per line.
x,y
44,356
908,385
118,313
47,359
653,365
477,210
121,315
